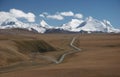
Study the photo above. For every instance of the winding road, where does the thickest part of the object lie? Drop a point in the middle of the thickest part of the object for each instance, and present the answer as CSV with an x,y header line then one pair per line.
x,y
32,63
60,60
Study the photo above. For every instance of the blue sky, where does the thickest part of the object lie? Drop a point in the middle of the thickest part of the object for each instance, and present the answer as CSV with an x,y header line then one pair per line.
x,y
99,9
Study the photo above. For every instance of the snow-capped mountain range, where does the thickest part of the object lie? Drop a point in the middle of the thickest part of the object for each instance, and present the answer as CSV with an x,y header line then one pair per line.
x,y
75,25
89,25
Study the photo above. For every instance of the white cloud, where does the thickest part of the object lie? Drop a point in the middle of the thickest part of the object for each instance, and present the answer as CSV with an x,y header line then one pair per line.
x,y
54,16
57,17
41,15
44,14
20,14
61,15
31,17
78,16
69,13
6,16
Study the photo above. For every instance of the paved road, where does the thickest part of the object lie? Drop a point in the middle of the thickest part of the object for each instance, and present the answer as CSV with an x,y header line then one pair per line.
x,y
29,63
61,59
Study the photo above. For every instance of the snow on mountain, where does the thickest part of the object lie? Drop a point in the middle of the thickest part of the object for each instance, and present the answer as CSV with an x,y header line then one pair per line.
x,y
37,28
18,24
6,16
110,28
72,25
89,25
14,23
8,21
93,25
45,25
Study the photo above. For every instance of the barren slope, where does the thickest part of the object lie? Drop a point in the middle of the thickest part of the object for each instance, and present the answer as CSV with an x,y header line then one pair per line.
x,y
99,57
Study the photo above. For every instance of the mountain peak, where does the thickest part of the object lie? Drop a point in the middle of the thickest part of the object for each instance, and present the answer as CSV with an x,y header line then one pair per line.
x,y
43,23
90,18
106,22
74,23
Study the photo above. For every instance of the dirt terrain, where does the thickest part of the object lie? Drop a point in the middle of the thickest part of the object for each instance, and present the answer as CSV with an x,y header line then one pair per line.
x,y
99,56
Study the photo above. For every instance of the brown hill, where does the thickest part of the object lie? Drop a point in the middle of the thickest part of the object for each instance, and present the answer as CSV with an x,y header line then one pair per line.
x,y
99,56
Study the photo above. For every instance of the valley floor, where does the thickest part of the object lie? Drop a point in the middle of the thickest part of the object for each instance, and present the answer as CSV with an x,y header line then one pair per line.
x,y
99,56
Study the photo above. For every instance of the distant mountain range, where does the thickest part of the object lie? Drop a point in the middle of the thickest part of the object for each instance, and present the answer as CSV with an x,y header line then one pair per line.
x,y
89,25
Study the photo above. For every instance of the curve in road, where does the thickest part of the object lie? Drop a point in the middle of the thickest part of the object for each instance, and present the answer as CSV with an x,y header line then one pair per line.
x,y
64,55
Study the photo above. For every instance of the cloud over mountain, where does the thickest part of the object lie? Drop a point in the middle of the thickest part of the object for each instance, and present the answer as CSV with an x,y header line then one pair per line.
x,y
61,15
78,16
15,13
77,23
20,14
53,16
57,17
69,13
